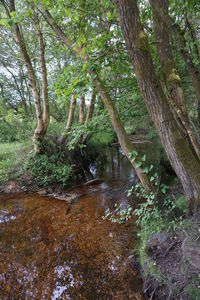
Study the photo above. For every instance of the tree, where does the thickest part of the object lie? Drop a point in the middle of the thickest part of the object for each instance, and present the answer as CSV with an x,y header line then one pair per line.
x,y
123,138
182,159
42,117
163,37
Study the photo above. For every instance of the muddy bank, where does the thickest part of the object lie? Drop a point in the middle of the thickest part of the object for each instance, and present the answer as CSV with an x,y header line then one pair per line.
x,y
172,265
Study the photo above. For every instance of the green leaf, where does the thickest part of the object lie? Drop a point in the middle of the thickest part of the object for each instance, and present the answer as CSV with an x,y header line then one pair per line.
x,y
152,178
138,164
145,170
84,67
144,157
4,22
150,168
109,15
133,155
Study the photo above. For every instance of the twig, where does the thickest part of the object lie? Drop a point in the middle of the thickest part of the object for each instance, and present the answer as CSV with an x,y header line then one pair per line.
x,y
153,293
169,248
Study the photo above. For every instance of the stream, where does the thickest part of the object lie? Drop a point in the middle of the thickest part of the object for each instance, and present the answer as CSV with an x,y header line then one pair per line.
x,y
48,254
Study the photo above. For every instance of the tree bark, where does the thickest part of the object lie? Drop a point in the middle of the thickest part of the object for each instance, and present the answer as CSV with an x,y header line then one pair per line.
x,y
192,70
192,32
123,138
71,112
185,164
38,134
82,109
45,98
70,119
161,21
91,105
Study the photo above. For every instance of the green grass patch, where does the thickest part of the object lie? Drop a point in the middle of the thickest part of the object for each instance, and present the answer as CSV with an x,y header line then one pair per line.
x,y
13,159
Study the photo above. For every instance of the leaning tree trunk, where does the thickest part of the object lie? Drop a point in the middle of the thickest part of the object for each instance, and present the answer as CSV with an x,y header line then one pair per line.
x,y
162,31
123,138
185,164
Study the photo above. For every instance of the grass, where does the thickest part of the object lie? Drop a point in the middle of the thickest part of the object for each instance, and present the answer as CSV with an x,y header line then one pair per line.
x,y
13,160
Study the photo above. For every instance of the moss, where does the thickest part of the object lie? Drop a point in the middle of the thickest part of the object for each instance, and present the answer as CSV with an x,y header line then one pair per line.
x,y
173,77
142,41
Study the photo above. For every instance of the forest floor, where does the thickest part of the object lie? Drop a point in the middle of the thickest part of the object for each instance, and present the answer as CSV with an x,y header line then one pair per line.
x,y
171,262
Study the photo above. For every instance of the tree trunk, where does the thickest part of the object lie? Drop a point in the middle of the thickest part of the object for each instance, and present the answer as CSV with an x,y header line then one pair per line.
x,y
123,138
162,31
185,164
192,70
193,35
82,109
70,119
90,110
46,109
38,134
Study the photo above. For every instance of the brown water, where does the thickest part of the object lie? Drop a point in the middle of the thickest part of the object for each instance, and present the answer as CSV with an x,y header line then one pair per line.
x,y
48,254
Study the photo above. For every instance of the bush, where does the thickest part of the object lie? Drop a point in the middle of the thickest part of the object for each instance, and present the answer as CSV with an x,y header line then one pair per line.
x,y
49,170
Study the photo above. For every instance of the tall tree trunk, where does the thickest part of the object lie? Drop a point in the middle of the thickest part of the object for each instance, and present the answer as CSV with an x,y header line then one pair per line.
x,y
71,112
89,115
23,95
162,31
123,138
82,109
45,98
38,134
185,164
192,32
91,105
192,70
70,118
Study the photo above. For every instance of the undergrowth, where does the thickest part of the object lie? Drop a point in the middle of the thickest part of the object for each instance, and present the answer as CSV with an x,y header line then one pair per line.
x,y
13,160
50,169
162,214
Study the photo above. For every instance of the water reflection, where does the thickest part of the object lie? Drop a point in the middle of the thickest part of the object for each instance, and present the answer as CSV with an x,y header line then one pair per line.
x,y
48,254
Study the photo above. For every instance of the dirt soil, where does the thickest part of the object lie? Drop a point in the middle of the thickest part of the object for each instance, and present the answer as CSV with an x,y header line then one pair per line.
x,y
177,258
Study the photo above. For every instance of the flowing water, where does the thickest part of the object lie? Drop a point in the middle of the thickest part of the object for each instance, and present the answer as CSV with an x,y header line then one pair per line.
x,y
48,254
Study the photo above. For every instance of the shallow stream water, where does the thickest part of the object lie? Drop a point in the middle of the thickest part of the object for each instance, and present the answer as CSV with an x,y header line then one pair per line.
x,y
48,254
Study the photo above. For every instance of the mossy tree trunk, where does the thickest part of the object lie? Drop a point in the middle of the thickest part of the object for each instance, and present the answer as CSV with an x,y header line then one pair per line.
x,y
192,69
161,21
182,159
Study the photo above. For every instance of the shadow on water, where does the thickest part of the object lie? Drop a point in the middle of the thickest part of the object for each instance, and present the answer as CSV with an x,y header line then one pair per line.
x,y
46,254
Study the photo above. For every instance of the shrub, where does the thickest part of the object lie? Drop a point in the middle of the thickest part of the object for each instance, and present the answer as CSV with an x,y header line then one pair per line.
x,y
49,170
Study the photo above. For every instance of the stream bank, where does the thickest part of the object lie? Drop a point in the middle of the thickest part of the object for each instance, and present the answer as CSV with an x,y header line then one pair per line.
x,y
58,223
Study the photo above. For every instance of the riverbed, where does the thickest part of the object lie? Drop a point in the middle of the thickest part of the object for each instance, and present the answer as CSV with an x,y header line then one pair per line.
x,y
48,252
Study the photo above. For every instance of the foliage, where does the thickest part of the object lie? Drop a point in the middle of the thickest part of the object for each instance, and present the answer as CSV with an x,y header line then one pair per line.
x,y
49,170
98,129
12,162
